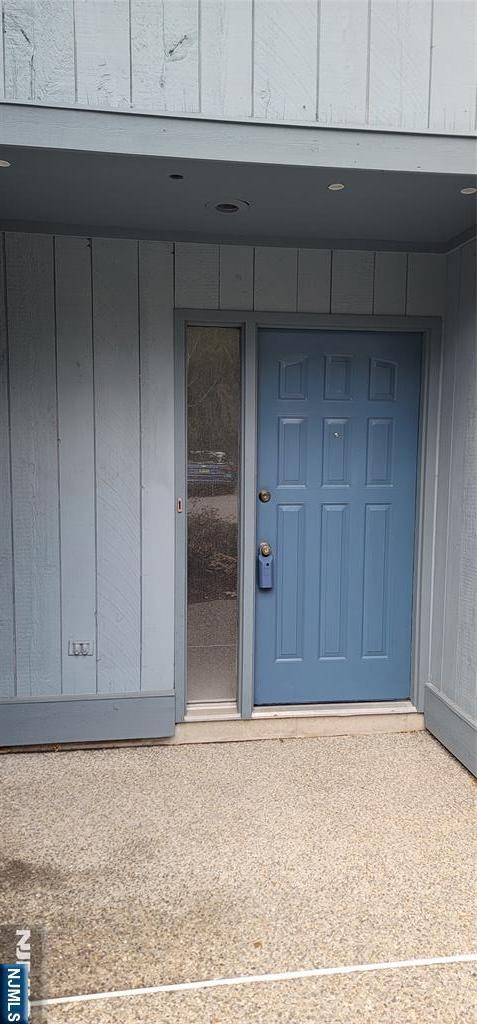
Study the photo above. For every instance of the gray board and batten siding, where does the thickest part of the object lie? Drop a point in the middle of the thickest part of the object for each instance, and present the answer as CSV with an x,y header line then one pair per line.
x,y
87,469
87,462
451,694
387,64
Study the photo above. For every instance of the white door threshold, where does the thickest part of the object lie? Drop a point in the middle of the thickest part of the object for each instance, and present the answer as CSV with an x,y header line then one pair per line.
x,y
294,722
378,707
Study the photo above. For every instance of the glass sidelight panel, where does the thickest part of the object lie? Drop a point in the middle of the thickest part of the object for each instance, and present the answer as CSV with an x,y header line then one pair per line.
x,y
213,480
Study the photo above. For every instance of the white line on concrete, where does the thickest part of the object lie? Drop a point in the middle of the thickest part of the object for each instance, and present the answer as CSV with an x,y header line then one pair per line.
x,y
251,979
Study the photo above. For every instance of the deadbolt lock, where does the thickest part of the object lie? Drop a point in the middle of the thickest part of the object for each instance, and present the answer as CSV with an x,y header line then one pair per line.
x,y
265,549
264,496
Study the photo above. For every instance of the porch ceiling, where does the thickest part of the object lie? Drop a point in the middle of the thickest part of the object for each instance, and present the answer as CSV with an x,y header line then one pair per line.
x,y
103,193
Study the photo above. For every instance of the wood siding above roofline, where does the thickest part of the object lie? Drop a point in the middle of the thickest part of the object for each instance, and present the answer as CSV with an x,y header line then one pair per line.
x,y
402,65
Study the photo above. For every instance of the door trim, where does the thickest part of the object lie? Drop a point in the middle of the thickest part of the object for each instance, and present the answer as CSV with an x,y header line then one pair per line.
x,y
426,492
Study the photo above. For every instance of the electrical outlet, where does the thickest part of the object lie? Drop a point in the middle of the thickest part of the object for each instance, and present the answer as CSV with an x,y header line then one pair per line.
x,y
80,648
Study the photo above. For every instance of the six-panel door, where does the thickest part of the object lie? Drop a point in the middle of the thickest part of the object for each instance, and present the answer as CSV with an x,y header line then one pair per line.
x,y
337,449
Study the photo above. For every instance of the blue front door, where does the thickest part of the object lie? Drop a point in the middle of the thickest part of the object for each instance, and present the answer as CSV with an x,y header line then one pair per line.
x,y
337,452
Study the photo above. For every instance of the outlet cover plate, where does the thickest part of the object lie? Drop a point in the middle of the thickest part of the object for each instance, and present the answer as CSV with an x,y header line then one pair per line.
x,y
80,648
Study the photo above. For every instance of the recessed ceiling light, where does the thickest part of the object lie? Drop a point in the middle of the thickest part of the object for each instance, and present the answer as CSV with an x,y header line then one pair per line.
x,y
469,191
336,186
176,177
5,163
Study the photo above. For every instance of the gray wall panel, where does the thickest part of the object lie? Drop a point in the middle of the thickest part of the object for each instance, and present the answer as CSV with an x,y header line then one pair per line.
x,y
314,280
426,281
465,439
285,60
39,51
157,464
452,96
226,57
102,46
445,444
31,324
276,279
399,39
121,397
76,458
390,278
236,277
352,282
7,621
165,55
118,461
454,636
197,275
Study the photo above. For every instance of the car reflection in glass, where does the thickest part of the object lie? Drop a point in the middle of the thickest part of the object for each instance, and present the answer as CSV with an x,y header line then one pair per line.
x,y
210,473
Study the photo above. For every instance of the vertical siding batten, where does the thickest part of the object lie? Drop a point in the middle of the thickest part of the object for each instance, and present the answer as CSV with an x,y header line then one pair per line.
x,y
102,53
466,666
426,284
454,66
275,285
440,603
7,610
400,48
157,455
236,277
314,280
285,60
390,275
31,326
2,52
116,368
343,62
352,283
39,51
165,55
226,58
196,275
76,455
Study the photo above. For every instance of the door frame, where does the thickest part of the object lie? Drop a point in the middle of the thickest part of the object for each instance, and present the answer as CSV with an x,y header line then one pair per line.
x,y
430,329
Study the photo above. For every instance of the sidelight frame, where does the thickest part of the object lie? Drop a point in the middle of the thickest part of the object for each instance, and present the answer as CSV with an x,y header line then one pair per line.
x,y
430,329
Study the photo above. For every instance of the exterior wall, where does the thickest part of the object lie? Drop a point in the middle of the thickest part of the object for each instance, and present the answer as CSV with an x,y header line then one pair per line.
x,y
86,466
452,695
87,444
405,65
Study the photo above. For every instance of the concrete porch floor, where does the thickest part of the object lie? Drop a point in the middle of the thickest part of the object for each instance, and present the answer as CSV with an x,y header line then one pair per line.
x,y
170,864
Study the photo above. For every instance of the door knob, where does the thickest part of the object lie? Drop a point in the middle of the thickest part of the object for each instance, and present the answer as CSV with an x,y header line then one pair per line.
x,y
264,496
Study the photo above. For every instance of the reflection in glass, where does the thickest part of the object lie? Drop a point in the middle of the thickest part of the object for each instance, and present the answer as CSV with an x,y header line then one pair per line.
x,y
213,446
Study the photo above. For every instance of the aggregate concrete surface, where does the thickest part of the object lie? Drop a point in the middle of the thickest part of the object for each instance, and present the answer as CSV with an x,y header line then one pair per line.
x,y
156,865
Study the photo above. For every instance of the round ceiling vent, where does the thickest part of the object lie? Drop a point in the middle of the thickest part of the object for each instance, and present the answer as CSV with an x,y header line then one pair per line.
x,y
228,206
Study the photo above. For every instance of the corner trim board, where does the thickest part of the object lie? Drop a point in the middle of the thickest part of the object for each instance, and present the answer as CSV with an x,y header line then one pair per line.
x,y
454,731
